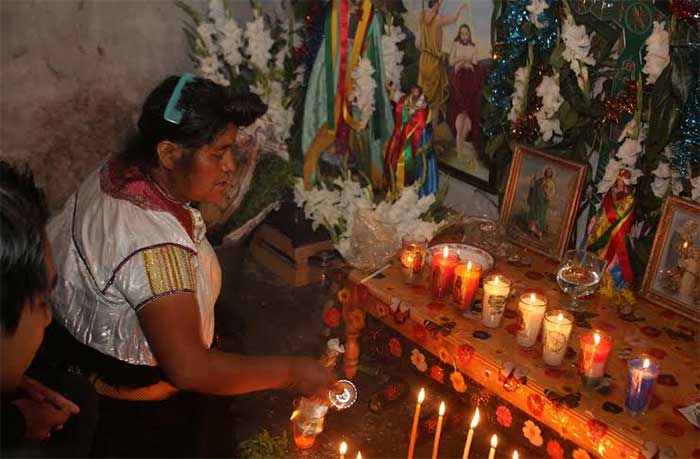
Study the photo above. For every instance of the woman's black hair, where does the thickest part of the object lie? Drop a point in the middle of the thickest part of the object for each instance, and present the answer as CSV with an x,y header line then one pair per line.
x,y
207,108
23,217
432,3
459,32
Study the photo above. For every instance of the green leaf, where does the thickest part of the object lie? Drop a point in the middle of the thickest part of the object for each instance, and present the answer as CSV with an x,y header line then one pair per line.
x,y
498,142
681,74
191,12
557,59
666,110
567,116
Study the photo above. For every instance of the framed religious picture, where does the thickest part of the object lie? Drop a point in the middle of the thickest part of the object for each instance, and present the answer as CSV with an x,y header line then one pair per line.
x,y
671,278
541,201
453,39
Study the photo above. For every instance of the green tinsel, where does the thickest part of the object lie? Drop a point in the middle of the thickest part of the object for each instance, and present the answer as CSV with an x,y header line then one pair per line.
x,y
686,151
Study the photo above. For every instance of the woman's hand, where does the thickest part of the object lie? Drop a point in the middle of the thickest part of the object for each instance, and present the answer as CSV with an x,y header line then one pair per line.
x,y
40,393
41,418
308,376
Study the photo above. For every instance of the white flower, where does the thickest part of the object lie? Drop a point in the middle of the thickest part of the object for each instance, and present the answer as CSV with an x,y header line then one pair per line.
x,y
535,8
546,116
629,151
208,67
418,360
259,43
659,186
676,187
657,52
695,183
206,32
363,86
299,75
518,96
391,53
217,12
662,170
231,40
533,433
578,47
334,345
598,86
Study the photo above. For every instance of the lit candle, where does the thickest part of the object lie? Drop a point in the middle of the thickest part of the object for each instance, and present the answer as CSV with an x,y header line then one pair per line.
x,y
555,336
412,257
359,455
466,282
442,269
343,449
594,349
494,443
496,290
531,310
642,374
414,429
515,454
472,426
438,431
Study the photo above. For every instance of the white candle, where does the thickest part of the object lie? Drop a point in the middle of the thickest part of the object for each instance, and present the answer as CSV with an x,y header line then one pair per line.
x,y
343,449
494,443
438,431
496,290
555,336
530,311
414,429
515,454
359,455
470,435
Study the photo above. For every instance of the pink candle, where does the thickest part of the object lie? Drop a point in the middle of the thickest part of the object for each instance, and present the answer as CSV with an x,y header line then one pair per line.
x,y
594,349
442,269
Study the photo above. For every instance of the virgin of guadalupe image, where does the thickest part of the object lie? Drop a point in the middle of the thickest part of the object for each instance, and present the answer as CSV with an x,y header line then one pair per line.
x,y
539,196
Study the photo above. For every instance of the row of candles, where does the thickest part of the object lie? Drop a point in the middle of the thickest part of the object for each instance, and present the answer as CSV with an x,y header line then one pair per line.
x,y
447,274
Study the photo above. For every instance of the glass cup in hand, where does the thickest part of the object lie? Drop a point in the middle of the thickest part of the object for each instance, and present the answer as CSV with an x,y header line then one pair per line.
x,y
579,275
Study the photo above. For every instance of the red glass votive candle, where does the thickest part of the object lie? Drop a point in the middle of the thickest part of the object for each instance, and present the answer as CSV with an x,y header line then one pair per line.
x,y
594,349
442,269
467,276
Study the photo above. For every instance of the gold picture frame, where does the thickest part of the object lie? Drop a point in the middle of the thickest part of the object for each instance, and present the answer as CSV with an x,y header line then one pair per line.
x,y
671,278
541,201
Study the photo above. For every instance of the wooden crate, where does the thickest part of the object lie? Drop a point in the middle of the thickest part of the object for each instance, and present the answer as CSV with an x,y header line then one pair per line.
x,y
276,252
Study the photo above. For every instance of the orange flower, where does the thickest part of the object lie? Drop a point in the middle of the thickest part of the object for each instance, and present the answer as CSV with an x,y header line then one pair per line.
x,y
395,347
343,295
504,416
554,450
331,317
457,381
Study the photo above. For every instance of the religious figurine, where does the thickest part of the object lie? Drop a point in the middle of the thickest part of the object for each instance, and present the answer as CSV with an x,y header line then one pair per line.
x,y
466,80
690,265
608,231
539,196
409,153
333,350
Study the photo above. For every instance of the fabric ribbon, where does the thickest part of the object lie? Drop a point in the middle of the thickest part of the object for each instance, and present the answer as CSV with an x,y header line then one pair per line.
x,y
611,241
404,145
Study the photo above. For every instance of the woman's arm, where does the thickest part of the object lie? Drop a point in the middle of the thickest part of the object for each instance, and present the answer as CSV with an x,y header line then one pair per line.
x,y
172,326
447,20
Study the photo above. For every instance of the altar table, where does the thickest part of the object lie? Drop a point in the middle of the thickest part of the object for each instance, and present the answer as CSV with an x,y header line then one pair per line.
x,y
604,432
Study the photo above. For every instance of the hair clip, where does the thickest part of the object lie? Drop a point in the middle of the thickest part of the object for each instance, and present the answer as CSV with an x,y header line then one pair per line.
x,y
172,113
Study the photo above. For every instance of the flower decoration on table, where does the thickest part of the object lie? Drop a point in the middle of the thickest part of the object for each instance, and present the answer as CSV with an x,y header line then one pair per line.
x,y
533,433
504,416
418,360
581,454
458,383
395,347
554,450
367,234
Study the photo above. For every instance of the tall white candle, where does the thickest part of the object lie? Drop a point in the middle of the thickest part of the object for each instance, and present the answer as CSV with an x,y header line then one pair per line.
x,y
494,443
530,313
438,431
555,336
496,290
470,435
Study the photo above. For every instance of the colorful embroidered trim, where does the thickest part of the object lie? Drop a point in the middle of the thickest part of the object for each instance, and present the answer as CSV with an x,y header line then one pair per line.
x,y
169,268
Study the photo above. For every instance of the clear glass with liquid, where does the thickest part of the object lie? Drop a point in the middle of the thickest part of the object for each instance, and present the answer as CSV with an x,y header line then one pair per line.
x,y
579,275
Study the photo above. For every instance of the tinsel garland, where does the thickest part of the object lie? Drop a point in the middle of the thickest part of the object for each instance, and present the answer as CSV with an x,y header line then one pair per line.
x,y
686,151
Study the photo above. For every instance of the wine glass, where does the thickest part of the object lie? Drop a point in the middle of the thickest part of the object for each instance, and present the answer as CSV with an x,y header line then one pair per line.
x,y
579,275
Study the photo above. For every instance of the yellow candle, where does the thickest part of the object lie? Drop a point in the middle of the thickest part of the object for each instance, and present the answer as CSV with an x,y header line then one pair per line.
x,y
414,429
494,443
470,435
436,444
343,449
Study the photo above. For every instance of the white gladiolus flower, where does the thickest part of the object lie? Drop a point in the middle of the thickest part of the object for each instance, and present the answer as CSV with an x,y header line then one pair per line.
x,y
546,116
657,52
206,32
392,55
598,86
535,8
518,96
629,151
695,183
662,170
659,186
231,40
578,47
208,66
217,13
363,86
259,43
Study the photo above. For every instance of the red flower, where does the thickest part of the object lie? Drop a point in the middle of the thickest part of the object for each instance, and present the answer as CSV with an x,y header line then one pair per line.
x,y
536,404
395,347
465,352
503,415
437,373
420,333
596,430
555,450
331,317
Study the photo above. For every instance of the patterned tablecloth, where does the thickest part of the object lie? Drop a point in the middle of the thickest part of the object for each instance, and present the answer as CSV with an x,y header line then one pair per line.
x,y
597,421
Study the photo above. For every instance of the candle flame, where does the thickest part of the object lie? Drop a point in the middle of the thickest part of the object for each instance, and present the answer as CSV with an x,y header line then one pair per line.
x,y
494,441
475,419
596,339
421,395
685,245
359,455
469,265
515,454
532,297
495,281
343,448
560,317
646,363
442,409
445,253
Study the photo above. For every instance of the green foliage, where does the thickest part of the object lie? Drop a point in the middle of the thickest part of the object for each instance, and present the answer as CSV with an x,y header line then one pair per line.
x,y
264,446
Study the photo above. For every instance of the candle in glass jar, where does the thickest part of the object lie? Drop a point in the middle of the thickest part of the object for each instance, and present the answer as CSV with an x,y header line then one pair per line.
x,y
466,282
442,269
555,336
531,310
594,349
412,257
496,290
642,374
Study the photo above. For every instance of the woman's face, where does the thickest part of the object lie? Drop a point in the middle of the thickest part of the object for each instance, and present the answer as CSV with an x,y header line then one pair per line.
x,y
464,33
210,170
